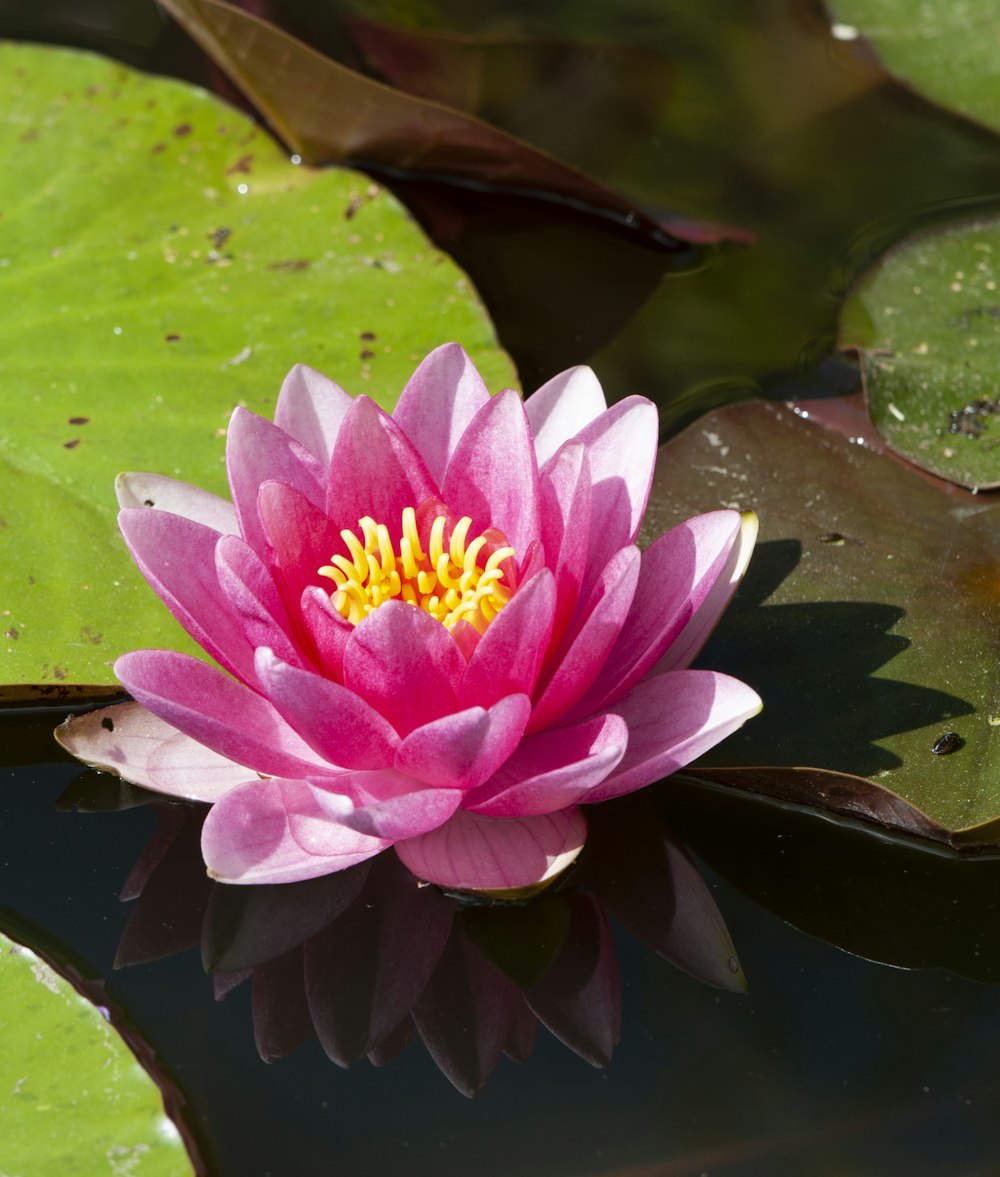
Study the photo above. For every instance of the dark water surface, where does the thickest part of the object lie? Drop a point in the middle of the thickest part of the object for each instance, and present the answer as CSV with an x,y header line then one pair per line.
x,y
744,113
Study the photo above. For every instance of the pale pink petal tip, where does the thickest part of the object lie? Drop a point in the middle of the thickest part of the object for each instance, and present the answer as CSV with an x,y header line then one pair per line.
x,y
471,853
157,492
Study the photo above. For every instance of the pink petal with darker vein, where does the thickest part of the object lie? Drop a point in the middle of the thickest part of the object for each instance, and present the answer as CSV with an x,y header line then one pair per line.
x,y
673,719
404,663
438,403
480,853
254,599
273,831
462,750
301,537
553,769
493,475
311,409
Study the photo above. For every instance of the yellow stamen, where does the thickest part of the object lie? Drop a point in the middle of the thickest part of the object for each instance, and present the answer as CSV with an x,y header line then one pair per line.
x,y
447,582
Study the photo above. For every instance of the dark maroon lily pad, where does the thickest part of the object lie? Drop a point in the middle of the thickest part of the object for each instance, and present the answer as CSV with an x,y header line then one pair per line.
x,y
868,622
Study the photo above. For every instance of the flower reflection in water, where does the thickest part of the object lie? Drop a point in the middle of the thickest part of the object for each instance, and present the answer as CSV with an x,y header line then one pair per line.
x,y
367,958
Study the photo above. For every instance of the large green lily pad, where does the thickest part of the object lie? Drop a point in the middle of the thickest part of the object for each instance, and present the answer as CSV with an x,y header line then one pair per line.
x,y
161,261
868,622
75,1099
926,323
944,49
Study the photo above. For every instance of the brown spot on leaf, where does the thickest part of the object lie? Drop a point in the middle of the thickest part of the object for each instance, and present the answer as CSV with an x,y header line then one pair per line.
x,y
368,336
108,723
172,338
30,135
243,164
182,129
367,354
220,236
12,633
291,264
156,149
71,445
59,672
78,421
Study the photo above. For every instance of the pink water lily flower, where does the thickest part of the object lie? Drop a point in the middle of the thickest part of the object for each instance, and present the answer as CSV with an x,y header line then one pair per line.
x,y
433,629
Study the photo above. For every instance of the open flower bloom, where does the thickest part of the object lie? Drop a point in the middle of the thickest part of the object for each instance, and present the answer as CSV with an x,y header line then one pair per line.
x,y
435,630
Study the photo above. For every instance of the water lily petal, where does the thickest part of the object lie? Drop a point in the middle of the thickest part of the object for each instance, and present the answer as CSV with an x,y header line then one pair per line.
x,y
335,722
254,599
326,631
462,750
508,658
133,743
375,470
677,574
621,449
156,491
672,719
301,538
273,831
414,808
683,650
217,711
586,649
259,452
562,407
565,498
438,403
470,853
177,557
405,664
553,769
496,493
311,408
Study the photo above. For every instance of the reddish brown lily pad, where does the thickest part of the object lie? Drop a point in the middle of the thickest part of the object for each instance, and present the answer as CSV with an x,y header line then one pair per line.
x,y
869,622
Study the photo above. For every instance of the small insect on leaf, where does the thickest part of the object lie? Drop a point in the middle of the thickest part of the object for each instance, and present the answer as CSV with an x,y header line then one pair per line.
x,y
946,743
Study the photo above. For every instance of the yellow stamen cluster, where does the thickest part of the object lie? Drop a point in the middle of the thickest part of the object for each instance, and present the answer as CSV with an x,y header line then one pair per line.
x,y
447,582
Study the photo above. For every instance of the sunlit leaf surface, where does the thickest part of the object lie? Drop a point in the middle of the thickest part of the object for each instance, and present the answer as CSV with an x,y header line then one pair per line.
x,y
868,622
926,322
160,262
75,1100
944,49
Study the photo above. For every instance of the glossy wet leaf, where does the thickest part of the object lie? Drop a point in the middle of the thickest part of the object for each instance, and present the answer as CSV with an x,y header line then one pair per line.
x,y
945,50
75,1100
926,323
868,622
160,262
329,113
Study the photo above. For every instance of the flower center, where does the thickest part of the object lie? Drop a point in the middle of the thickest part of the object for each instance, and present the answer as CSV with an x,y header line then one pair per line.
x,y
449,583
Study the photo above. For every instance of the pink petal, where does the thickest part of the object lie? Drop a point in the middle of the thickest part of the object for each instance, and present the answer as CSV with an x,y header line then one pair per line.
x,y
375,470
493,475
508,657
217,711
553,770
685,647
273,831
338,725
311,408
136,745
259,452
301,537
460,751
471,853
326,631
621,449
677,575
562,407
672,719
167,494
177,557
413,809
585,653
565,498
438,403
254,600
405,664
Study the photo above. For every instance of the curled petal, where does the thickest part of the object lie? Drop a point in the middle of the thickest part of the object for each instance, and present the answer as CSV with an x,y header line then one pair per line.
x,y
438,403
158,492
311,409
672,719
136,745
273,831
460,751
404,808
562,407
471,853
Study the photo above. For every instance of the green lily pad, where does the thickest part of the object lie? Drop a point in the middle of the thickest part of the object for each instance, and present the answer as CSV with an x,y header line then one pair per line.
x,y
75,1099
926,323
944,49
868,622
161,261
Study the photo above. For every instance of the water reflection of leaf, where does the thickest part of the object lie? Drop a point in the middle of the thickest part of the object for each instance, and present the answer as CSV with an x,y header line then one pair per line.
x,y
368,958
